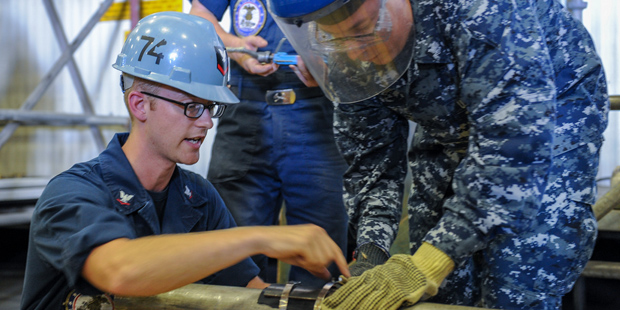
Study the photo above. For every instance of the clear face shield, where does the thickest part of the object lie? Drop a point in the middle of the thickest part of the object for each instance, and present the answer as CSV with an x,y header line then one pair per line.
x,y
356,51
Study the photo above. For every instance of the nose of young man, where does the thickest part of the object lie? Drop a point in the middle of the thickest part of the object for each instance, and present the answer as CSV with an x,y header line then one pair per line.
x,y
204,121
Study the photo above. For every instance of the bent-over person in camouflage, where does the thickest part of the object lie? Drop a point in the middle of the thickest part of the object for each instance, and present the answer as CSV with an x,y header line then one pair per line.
x,y
510,102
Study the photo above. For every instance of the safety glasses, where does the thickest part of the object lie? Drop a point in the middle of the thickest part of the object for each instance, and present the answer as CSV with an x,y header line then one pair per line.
x,y
353,38
195,109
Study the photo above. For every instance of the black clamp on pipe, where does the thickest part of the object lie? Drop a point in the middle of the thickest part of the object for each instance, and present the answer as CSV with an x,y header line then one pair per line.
x,y
292,296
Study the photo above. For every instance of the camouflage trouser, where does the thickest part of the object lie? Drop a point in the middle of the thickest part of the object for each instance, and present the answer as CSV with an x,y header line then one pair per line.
x,y
532,270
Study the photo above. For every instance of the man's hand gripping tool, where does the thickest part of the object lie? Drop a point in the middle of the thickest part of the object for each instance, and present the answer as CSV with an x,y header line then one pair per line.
x,y
279,58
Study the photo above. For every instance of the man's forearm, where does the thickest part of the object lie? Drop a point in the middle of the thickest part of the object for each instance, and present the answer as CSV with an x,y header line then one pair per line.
x,y
157,264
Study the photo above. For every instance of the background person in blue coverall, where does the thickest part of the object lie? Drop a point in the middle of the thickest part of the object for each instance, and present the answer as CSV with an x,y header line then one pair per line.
x,y
510,102
266,150
131,222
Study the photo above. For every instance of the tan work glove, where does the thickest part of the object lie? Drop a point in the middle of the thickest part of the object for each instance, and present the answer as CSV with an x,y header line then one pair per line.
x,y
402,279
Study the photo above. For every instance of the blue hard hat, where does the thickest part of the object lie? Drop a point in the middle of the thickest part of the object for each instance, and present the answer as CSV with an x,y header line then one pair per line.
x,y
179,50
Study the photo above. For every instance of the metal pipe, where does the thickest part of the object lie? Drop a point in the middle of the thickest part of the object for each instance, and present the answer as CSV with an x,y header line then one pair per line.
x,y
16,216
213,297
615,179
608,202
614,102
602,270
60,119
576,8
195,297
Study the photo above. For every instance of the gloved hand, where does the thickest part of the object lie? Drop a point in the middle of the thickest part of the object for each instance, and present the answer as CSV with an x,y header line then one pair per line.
x,y
367,256
402,279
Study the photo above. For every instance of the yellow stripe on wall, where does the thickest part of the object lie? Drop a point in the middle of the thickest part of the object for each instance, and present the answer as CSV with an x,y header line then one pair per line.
x,y
121,10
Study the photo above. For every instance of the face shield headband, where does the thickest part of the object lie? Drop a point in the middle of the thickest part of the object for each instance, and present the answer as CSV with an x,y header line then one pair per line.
x,y
358,50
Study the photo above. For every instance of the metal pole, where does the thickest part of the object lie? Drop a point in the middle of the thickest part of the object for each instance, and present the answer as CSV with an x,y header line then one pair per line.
x,y
60,119
607,203
76,77
614,102
576,8
579,294
195,297
134,13
602,270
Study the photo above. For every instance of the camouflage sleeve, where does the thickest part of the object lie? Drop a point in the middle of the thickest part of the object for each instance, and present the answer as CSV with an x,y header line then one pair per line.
x,y
373,141
506,80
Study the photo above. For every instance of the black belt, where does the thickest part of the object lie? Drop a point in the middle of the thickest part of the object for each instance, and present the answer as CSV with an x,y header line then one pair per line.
x,y
279,96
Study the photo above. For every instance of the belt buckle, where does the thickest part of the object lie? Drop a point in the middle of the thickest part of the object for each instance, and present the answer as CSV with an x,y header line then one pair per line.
x,y
281,96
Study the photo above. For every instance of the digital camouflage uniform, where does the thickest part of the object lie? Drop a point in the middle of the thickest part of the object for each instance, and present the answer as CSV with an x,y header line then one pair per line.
x,y
510,102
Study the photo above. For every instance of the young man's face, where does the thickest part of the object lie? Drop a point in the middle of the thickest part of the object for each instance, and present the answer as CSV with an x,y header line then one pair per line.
x,y
376,32
171,134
